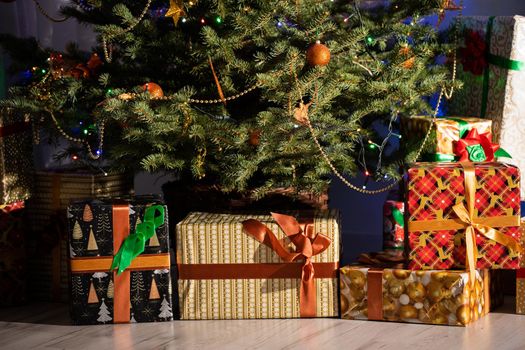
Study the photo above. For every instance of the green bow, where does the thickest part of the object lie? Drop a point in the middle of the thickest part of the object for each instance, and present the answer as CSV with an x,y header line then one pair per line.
x,y
398,216
476,153
496,60
135,243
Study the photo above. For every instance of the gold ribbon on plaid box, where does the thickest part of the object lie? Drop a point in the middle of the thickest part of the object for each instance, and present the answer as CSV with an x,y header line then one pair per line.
x,y
467,220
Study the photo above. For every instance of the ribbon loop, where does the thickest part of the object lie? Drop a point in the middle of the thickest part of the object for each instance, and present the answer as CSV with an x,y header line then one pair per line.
x,y
135,244
307,244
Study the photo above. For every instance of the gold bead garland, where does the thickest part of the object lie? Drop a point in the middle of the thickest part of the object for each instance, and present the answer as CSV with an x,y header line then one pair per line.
x,y
131,96
45,14
107,51
92,155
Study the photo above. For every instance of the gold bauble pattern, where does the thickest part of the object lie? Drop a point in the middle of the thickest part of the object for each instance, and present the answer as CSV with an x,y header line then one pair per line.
x,y
435,297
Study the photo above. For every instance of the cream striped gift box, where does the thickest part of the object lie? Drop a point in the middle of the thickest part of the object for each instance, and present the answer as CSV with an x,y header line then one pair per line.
x,y
226,271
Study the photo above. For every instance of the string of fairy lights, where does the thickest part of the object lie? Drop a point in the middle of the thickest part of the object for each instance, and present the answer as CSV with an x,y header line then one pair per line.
x,y
364,141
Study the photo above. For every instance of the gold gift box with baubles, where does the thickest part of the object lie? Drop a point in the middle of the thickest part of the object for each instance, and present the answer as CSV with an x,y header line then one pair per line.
x,y
228,271
447,131
433,297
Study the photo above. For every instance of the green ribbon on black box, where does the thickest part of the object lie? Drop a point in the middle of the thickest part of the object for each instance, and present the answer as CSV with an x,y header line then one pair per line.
x,y
134,244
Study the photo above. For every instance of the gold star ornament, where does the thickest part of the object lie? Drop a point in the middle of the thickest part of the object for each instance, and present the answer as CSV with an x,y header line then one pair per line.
x,y
176,10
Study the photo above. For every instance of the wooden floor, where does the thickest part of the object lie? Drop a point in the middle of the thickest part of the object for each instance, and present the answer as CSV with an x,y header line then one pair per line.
x,y
45,326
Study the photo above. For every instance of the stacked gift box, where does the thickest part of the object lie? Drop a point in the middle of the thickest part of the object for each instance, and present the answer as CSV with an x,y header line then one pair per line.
x,y
16,165
48,278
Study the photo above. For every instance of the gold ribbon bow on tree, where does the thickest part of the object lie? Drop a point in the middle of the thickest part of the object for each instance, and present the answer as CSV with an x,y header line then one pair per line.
x,y
307,243
475,226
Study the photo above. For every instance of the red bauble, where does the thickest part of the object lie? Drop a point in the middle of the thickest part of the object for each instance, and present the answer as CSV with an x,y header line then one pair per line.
x,y
154,90
318,54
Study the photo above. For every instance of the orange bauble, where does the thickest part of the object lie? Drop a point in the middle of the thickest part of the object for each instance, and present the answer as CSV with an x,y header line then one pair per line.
x,y
255,137
155,91
318,54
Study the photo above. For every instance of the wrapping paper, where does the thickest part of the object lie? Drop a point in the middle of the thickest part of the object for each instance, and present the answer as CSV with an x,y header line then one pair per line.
x,y
16,157
142,293
13,259
434,189
434,297
393,226
447,131
520,291
496,89
46,210
213,241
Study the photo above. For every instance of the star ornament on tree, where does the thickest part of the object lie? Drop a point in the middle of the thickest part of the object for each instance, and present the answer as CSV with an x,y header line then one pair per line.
x,y
447,5
176,10
300,113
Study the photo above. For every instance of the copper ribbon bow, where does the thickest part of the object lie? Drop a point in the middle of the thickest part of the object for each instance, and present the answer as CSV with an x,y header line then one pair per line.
x,y
307,244
468,216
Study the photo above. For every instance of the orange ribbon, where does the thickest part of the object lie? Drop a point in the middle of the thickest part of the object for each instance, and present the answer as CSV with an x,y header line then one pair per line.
x,y
217,82
375,294
121,298
307,244
468,217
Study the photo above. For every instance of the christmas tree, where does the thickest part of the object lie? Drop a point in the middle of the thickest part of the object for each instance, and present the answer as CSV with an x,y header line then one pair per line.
x,y
249,95
165,309
105,315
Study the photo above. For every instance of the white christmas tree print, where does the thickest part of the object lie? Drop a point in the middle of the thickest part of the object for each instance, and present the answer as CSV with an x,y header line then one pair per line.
x,y
137,286
100,275
104,313
104,226
165,309
132,318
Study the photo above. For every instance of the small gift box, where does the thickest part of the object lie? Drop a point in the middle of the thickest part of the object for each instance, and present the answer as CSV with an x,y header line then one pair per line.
x,y
492,68
119,261
442,145
393,226
258,266
434,297
463,214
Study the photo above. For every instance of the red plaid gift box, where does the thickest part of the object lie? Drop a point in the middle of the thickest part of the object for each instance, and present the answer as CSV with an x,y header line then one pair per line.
x,y
454,205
